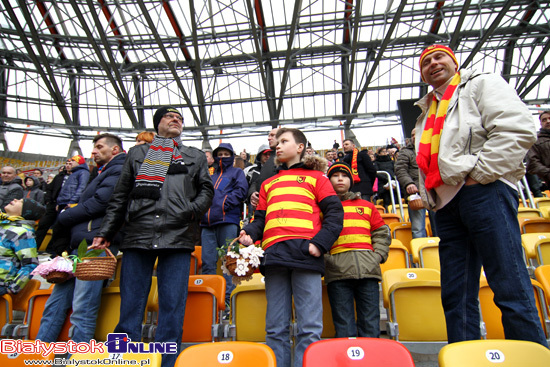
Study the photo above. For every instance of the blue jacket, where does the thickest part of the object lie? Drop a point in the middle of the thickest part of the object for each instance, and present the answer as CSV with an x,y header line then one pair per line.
x,y
74,186
85,218
230,191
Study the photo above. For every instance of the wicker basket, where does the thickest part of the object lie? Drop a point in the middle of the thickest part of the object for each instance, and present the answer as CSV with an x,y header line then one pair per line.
x,y
415,202
57,277
96,268
231,265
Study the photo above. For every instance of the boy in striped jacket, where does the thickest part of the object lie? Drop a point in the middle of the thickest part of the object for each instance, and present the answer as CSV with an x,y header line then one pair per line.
x,y
298,218
353,264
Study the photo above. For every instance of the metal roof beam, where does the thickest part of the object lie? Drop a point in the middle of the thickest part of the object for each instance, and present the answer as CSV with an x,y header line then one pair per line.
x,y
456,34
288,55
115,29
40,62
348,66
487,33
532,69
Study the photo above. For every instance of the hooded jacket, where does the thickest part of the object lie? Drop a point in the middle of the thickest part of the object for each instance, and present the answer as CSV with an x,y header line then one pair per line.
x,y
85,218
9,191
230,191
172,221
72,189
35,192
316,209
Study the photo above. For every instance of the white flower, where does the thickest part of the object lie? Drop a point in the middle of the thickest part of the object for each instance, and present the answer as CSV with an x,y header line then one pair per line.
x,y
224,269
233,254
242,267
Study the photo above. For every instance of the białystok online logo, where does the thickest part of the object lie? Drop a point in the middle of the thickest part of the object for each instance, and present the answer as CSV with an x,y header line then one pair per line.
x,y
116,343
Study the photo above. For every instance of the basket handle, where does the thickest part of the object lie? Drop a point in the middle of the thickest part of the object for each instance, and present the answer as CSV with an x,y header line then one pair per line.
x,y
107,251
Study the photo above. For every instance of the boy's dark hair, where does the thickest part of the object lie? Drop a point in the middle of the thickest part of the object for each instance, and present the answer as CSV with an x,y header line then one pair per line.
x,y
299,137
543,113
38,169
111,139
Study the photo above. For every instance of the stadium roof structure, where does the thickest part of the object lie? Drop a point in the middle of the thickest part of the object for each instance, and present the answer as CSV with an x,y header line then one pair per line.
x,y
70,68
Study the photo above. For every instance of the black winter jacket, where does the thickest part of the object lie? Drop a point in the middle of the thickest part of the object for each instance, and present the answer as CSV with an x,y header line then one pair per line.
x,y
85,218
172,221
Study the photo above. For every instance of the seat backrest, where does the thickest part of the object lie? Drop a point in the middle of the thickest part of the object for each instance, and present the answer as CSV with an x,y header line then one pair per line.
x,y
413,300
37,303
419,244
380,209
534,225
541,202
389,218
542,248
248,309
529,213
398,257
6,310
196,260
501,353
542,273
529,241
205,298
491,315
242,354
349,352
21,299
108,314
402,232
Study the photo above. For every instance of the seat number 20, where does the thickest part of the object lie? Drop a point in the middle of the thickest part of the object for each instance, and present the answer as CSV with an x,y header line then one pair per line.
x,y
494,356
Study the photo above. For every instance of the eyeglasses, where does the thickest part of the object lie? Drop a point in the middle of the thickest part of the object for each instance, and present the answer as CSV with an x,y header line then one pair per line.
x,y
173,116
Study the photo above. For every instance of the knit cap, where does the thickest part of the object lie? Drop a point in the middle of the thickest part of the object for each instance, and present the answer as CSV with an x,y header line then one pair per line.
x,y
78,159
433,48
161,112
340,167
32,210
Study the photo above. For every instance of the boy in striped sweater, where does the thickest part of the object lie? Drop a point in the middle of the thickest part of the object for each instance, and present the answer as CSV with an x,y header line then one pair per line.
x,y
298,218
353,265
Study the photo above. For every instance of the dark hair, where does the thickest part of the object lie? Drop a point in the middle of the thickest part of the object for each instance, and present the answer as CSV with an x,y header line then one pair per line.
x,y
543,113
110,139
350,140
38,169
298,136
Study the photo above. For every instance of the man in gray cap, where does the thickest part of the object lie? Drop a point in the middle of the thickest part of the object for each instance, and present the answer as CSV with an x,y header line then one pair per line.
x,y
163,191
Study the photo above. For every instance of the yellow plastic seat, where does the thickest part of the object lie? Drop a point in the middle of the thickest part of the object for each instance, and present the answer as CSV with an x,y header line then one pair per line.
x,y
196,260
31,325
238,354
45,241
21,299
425,252
6,313
405,216
108,314
542,247
140,359
542,274
492,316
501,353
380,209
398,257
205,300
529,243
402,232
248,309
529,213
350,352
390,218
541,202
534,225
545,210
412,298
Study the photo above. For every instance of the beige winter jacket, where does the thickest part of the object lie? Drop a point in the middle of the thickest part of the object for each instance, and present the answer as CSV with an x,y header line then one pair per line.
x,y
487,132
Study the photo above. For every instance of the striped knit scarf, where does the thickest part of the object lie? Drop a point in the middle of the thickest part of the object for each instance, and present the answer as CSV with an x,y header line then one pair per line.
x,y
152,173
354,166
11,218
428,150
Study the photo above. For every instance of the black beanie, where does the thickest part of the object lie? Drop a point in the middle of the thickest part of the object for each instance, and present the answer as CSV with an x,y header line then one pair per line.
x,y
161,112
32,210
340,167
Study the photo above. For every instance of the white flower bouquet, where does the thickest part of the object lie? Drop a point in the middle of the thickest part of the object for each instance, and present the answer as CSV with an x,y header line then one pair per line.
x,y
240,261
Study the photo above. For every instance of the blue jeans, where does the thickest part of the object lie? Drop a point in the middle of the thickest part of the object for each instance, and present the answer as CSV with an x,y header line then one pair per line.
x,y
85,299
135,283
365,293
281,284
212,238
418,222
480,227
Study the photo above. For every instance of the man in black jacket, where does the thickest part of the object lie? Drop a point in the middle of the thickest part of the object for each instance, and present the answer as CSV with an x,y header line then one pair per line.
x,y
162,193
82,223
269,169
364,172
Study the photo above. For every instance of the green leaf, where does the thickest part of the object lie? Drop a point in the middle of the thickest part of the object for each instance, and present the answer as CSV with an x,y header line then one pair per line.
x,y
82,248
94,253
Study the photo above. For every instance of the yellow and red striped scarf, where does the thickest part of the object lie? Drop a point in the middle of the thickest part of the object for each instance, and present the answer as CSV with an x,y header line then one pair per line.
x,y
354,171
428,149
